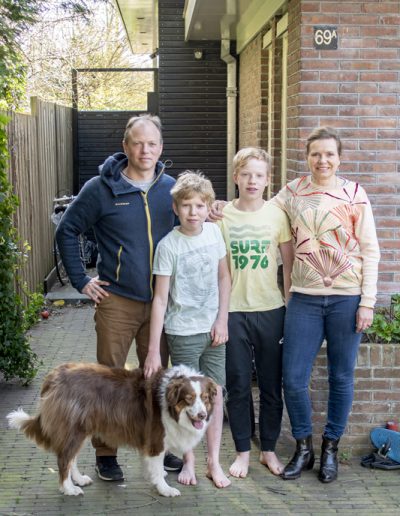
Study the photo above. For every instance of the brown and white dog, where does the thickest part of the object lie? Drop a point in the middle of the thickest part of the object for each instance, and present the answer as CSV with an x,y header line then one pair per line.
x,y
169,411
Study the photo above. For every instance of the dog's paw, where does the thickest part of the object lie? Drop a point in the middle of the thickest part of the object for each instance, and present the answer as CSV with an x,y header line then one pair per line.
x,y
168,491
83,480
71,490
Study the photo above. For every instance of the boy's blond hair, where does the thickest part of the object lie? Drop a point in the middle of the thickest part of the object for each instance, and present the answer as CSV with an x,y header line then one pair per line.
x,y
191,183
243,156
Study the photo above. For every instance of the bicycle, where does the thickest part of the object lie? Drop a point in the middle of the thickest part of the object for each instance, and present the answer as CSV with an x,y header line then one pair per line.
x,y
87,248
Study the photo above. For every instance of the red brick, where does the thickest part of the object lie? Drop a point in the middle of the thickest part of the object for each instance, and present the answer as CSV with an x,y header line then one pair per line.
x,y
385,111
379,31
369,384
378,76
359,87
378,100
386,373
358,111
386,396
357,65
384,234
390,43
378,145
345,7
321,19
382,7
372,408
363,395
378,54
377,168
381,123
339,76
359,43
339,99
363,373
389,65
358,19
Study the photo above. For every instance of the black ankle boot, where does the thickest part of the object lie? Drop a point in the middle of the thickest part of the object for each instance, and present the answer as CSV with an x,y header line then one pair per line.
x,y
302,459
328,469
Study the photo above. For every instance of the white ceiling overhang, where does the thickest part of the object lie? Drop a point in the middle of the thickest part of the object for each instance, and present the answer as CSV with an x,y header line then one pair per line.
x,y
211,20
140,18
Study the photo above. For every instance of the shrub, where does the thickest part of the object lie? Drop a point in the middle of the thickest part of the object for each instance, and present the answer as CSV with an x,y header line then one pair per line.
x,y
16,357
386,323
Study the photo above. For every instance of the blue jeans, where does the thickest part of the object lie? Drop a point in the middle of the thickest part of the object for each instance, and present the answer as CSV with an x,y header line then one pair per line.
x,y
309,320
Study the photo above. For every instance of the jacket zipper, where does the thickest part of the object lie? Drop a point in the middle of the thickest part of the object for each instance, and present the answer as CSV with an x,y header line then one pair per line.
x,y
149,227
118,263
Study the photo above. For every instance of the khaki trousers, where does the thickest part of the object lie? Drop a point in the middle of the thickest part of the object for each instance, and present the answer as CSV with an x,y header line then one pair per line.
x,y
119,321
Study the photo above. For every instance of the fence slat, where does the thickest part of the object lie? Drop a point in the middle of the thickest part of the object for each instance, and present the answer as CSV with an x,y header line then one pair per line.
x,y
40,168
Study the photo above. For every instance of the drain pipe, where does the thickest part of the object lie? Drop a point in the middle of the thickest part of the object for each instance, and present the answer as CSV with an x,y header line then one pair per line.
x,y
231,96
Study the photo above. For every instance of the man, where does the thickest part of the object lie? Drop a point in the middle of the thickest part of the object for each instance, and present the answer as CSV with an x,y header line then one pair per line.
x,y
129,207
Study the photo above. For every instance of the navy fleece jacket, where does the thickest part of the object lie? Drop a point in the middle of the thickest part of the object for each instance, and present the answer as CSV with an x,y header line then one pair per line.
x,y
128,225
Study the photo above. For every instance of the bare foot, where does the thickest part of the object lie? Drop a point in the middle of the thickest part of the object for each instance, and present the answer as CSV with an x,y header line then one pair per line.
x,y
240,466
271,460
216,474
187,476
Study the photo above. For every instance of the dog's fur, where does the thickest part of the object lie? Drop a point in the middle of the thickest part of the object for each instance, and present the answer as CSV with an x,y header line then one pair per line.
x,y
169,411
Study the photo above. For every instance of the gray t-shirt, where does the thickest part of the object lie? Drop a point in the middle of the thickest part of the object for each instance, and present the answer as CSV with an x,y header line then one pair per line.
x,y
192,263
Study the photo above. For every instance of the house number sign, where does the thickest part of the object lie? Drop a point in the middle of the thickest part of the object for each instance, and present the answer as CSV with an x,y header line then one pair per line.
x,y
325,37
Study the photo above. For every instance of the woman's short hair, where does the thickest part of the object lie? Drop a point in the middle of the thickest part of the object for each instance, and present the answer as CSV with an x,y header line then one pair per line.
x,y
191,183
243,156
324,133
145,117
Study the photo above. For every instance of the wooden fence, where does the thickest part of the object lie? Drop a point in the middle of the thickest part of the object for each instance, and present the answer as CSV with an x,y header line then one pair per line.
x,y
40,169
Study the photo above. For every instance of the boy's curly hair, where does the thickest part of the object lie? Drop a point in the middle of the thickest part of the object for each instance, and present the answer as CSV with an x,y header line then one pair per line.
x,y
191,183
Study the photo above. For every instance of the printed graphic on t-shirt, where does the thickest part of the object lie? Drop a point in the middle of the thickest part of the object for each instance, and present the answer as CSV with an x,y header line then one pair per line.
x,y
248,246
197,275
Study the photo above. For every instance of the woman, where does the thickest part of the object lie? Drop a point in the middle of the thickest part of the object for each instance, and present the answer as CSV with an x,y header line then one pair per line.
x,y
333,294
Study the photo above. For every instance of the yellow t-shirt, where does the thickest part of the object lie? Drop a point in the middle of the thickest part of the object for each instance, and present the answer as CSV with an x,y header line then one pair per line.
x,y
252,240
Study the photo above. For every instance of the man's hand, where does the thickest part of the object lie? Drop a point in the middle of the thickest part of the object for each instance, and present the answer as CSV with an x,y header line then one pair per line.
x,y
364,318
152,364
94,291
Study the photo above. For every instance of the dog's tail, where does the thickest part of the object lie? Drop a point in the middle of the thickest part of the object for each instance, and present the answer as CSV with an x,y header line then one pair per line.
x,y
31,426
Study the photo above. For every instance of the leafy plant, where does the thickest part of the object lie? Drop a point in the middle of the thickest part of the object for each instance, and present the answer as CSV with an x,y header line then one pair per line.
x,y
386,323
16,357
33,308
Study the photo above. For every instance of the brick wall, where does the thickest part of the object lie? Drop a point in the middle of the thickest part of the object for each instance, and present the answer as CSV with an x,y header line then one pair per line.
x,y
356,89
376,394
250,84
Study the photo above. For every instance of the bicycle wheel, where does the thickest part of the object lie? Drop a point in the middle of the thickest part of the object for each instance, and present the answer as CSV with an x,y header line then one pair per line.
x,y
58,264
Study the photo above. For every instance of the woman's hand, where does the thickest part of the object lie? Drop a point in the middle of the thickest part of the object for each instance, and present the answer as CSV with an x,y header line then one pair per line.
x,y
364,318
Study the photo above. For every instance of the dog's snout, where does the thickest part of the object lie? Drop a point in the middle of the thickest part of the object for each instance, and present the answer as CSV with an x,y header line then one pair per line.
x,y
201,415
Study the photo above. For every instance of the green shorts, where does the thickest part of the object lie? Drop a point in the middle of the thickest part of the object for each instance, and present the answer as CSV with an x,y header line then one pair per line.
x,y
196,351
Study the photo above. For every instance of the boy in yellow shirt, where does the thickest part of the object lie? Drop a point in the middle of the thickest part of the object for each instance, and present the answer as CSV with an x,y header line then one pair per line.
x,y
255,231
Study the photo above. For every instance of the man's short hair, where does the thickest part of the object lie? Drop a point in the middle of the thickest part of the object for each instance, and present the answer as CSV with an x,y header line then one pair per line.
x,y
243,156
191,183
145,117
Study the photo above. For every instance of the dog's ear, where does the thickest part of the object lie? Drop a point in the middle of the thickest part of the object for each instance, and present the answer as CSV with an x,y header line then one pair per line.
x,y
212,390
173,393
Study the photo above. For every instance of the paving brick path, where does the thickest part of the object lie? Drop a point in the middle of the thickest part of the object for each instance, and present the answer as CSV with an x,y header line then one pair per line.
x,y
28,476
